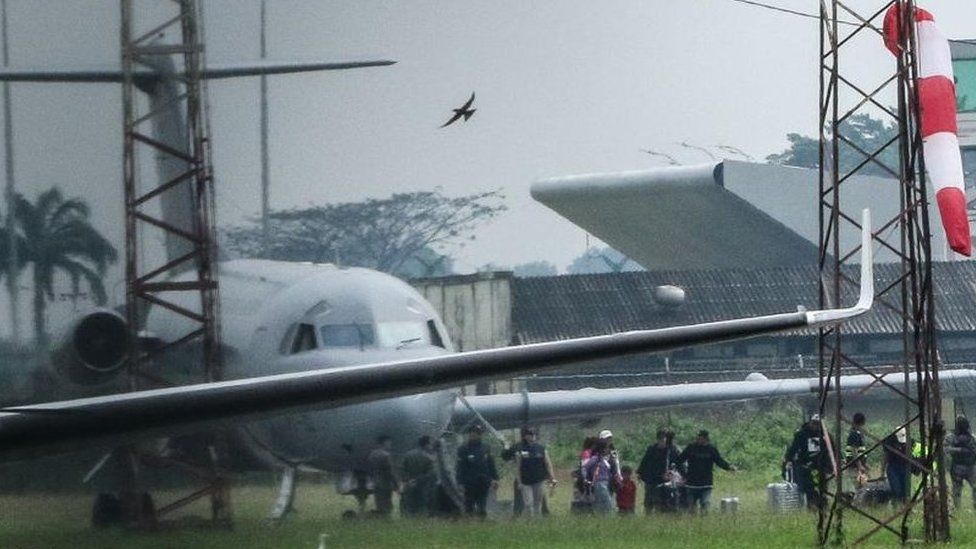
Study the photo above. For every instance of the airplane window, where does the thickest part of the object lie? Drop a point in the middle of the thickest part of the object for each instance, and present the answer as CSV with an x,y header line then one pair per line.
x,y
304,339
320,308
402,334
286,342
435,336
347,335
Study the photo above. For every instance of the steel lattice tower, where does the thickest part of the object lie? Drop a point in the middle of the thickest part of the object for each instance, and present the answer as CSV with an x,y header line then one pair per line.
x,y
906,235
170,52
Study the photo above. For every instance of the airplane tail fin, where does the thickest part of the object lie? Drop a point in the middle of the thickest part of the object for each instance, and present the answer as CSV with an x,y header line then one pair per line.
x,y
212,72
160,79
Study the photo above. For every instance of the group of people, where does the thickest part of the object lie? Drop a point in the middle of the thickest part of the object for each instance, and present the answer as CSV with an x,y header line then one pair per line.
x,y
415,479
475,470
809,460
673,478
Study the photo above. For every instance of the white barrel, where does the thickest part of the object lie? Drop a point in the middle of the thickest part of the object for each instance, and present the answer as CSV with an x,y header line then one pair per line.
x,y
730,505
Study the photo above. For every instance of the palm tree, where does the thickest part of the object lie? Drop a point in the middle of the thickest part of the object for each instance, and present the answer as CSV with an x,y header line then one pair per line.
x,y
5,241
55,235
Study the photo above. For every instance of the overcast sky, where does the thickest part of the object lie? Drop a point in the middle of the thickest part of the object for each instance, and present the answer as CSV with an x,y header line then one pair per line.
x,y
563,87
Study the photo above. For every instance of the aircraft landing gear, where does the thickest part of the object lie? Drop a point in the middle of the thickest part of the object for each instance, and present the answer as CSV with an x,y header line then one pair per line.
x,y
356,484
450,497
106,511
127,509
285,503
363,489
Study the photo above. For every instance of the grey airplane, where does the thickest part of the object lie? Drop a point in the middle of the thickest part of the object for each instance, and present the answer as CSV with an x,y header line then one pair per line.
x,y
320,360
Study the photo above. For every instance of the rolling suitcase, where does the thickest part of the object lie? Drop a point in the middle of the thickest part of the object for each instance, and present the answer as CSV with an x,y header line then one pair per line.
x,y
784,496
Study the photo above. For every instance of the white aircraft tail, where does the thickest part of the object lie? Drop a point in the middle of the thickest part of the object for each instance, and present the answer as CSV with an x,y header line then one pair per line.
x,y
212,72
161,83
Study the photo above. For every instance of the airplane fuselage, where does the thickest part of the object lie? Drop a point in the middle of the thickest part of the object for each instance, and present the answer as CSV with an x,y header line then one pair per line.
x,y
283,317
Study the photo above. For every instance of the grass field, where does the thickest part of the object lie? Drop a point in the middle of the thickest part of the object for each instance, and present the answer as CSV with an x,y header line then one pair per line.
x,y
752,436
61,521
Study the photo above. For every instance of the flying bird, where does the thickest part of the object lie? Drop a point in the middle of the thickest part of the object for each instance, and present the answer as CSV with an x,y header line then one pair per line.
x,y
465,110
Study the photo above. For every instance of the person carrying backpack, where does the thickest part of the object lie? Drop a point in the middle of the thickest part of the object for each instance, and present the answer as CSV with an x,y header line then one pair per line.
x,y
598,473
808,460
961,449
657,471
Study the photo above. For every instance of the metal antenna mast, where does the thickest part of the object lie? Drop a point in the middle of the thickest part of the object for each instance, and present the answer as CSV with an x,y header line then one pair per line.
x,y
8,135
179,206
265,157
842,98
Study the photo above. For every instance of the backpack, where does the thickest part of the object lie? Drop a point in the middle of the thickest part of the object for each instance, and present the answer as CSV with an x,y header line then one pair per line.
x,y
967,455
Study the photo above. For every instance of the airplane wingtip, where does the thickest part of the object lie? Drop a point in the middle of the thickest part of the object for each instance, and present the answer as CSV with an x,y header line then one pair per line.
x,y
866,292
866,298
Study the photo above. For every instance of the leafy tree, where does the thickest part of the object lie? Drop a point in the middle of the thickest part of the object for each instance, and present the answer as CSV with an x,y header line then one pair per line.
x,y
602,260
869,134
54,234
492,267
427,263
535,268
400,234
5,250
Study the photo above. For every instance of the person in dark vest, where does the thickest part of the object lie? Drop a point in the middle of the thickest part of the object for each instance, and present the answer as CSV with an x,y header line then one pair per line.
x,y
518,505
961,449
856,463
701,458
534,471
808,459
419,479
380,463
476,472
897,464
655,470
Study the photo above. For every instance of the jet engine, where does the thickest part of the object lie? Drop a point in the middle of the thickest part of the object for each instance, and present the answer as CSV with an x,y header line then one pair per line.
x,y
93,349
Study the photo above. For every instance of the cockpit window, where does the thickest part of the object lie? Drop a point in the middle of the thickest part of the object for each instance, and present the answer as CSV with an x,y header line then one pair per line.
x,y
304,339
435,336
400,334
347,335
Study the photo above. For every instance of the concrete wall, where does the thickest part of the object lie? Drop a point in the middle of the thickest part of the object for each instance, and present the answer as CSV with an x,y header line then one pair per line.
x,y
477,310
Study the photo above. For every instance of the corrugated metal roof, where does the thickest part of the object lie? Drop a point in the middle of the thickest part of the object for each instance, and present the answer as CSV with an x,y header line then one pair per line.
x,y
562,307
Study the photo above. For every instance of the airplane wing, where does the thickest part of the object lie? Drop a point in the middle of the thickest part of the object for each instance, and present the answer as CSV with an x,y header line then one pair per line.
x,y
621,208
505,411
114,73
28,430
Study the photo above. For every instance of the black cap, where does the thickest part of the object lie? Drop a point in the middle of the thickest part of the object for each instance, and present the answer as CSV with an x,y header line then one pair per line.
x,y
703,433
476,428
528,431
